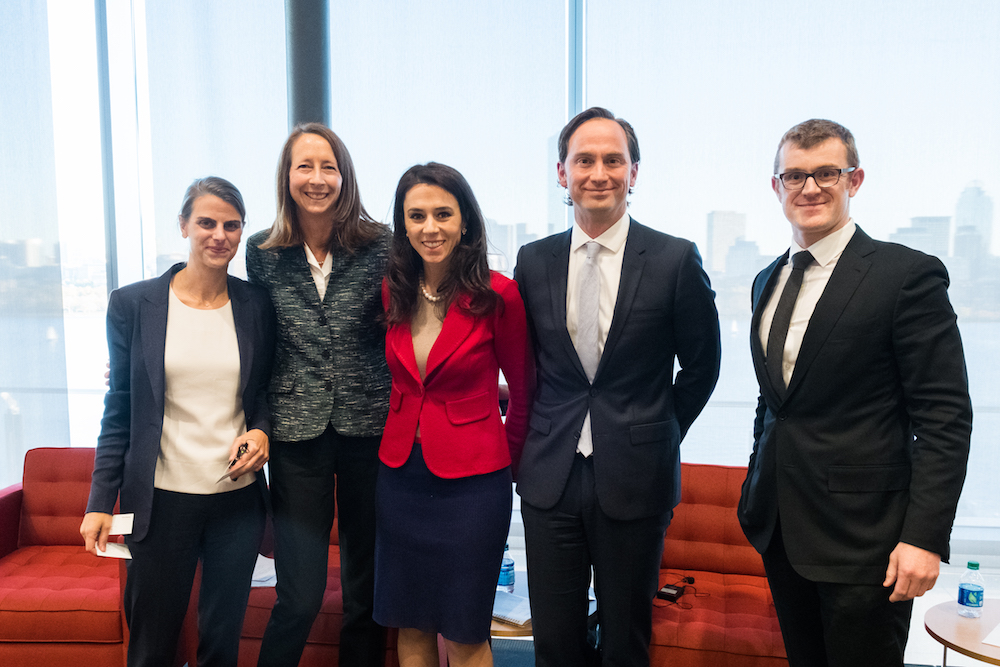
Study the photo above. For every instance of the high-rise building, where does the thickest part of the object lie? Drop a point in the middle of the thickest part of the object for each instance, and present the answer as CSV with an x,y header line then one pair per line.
x,y
975,209
499,240
743,259
724,227
927,233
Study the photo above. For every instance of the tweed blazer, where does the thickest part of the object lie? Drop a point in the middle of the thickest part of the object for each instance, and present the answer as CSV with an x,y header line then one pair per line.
x,y
329,363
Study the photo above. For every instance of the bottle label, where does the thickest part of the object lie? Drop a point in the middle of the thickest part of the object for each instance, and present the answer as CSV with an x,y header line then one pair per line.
x,y
970,595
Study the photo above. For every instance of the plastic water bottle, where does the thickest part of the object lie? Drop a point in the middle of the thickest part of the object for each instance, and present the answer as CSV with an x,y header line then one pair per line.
x,y
970,592
506,580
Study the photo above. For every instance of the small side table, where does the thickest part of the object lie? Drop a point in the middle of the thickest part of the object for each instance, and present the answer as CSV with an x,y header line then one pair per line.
x,y
500,629
964,635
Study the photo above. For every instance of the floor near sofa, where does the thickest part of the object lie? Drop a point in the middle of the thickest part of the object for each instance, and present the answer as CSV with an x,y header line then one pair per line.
x,y
513,653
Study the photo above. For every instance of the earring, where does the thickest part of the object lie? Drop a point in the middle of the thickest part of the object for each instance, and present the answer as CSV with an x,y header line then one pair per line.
x,y
464,230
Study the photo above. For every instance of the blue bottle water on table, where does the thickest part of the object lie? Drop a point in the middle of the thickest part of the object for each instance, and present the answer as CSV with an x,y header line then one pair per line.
x,y
971,588
506,580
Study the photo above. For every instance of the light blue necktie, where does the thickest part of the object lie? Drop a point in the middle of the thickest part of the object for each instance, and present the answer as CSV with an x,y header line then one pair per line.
x,y
589,300
587,331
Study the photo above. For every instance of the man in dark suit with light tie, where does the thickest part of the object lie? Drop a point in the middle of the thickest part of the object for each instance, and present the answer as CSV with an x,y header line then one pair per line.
x,y
611,306
863,423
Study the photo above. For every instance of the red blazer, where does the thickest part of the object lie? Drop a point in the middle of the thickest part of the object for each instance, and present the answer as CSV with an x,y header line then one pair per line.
x,y
457,405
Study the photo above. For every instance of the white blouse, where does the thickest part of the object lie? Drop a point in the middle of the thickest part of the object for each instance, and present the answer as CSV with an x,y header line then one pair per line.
x,y
202,406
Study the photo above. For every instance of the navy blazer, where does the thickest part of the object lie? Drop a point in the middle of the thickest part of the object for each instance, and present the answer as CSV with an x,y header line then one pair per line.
x,y
640,411
129,443
869,444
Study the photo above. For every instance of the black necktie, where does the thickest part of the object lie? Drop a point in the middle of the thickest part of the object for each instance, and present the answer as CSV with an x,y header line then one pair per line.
x,y
782,317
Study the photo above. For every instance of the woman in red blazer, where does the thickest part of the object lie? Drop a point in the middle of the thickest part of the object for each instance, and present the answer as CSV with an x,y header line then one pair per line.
x,y
444,488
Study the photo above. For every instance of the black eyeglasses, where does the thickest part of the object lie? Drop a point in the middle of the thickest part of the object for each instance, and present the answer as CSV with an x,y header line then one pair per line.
x,y
825,177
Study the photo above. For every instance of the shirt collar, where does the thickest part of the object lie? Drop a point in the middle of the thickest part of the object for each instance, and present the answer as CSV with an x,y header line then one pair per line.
x,y
311,258
830,247
612,239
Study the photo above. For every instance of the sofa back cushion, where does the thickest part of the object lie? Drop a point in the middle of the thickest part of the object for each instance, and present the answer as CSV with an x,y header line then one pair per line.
x,y
56,487
705,533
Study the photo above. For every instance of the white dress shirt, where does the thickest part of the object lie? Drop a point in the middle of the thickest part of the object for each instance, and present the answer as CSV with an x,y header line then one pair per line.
x,y
320,274
609,265
825,254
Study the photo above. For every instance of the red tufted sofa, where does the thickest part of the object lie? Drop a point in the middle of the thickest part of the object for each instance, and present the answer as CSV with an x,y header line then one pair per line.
x,y
59,605
726,617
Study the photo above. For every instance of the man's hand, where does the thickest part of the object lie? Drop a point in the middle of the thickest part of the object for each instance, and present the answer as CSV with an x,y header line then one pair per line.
x,y
258,449
95,529
913,571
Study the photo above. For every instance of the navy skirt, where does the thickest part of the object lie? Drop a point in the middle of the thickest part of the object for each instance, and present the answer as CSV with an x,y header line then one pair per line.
x,y
438,547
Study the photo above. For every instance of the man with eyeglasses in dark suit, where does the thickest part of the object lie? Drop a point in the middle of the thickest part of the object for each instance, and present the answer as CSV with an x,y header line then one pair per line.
x,y
863,422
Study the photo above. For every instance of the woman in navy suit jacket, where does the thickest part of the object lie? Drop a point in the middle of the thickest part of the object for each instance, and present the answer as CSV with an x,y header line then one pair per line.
x,y
444,489
185,434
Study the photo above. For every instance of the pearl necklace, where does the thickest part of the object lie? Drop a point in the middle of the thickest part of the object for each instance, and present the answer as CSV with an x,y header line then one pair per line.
x,y
427,295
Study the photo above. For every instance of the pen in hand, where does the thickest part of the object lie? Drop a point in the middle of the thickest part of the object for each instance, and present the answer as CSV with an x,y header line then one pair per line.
x,y
239,453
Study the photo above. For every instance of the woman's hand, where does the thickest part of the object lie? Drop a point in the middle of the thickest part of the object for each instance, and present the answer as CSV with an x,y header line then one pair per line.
x,y
95,529
257,450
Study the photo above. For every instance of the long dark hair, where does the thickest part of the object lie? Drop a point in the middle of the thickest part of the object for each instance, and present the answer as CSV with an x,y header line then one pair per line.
x,y
353,228
468,272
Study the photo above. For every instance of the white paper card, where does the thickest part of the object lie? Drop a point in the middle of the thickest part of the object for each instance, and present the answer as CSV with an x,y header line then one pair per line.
x,y
993,639
264,575
116,550
121,524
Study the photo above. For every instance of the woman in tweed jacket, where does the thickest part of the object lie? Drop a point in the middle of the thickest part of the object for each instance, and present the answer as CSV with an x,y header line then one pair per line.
x,y
322,262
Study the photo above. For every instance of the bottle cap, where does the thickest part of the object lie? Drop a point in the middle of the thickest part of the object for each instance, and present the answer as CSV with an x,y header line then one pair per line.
x,y
973,565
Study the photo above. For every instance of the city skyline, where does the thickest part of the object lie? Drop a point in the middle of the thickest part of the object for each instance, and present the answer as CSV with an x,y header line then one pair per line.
x,y
961,241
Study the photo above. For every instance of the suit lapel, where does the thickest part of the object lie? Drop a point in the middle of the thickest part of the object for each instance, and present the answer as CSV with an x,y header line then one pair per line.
x,y
558,274
847,276
458,324
401,341
633,263
153,325
768,278
244,325
294,266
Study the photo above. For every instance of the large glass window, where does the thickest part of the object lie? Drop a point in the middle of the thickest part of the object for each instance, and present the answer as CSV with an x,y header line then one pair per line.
x,y
195,89
711,91
52,264
478,86
712,88
217,107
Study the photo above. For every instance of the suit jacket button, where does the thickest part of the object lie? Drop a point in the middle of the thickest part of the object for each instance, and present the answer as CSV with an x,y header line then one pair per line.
x,y
326,354
593,392
322,320
329,385
782,416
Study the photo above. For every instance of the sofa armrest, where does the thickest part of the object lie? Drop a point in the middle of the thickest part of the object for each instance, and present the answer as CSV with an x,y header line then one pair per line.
x,y
10,518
